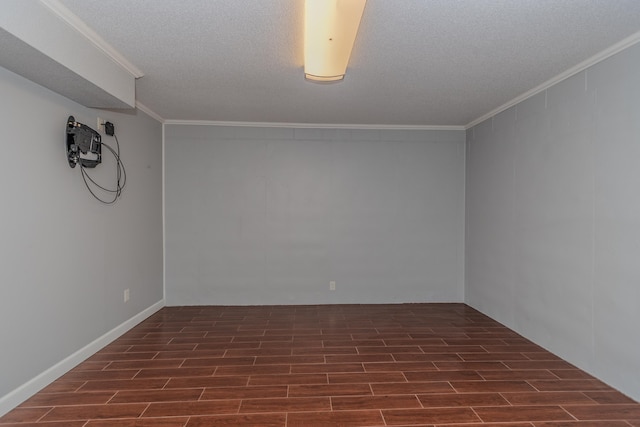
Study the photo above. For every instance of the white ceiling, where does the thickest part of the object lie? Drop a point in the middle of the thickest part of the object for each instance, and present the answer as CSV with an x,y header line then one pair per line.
x,y
414,63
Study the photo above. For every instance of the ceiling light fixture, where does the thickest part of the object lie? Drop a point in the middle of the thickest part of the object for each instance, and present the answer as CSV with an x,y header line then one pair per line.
x,y
330,28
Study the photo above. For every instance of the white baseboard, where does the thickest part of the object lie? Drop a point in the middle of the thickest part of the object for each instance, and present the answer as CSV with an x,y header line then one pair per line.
x,y
31,387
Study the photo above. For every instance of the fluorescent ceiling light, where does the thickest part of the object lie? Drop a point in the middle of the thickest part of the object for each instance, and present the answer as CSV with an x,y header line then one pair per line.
x,y
330,28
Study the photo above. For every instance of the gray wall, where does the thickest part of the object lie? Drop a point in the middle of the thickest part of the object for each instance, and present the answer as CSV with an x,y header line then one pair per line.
x,y
271,215
65,259
553,219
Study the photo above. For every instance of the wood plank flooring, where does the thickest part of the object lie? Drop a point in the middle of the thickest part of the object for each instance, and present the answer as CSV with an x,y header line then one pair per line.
x,y
327,365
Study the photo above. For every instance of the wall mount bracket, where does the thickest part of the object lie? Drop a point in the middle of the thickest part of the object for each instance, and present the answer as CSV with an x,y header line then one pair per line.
x,y
84,145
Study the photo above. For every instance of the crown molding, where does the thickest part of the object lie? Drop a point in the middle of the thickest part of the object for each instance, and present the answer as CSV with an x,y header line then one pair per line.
x,y
77,24
309,125
598,57
149,112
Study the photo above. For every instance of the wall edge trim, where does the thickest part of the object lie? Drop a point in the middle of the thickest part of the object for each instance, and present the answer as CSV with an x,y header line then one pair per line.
x,y
598,57
310,125
81,27
15,397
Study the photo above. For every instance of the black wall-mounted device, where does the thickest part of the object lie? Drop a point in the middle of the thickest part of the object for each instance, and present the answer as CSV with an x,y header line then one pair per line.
x,y
84,145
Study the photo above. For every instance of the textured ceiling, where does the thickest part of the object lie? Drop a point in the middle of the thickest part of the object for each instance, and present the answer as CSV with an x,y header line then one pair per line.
x,y
414,63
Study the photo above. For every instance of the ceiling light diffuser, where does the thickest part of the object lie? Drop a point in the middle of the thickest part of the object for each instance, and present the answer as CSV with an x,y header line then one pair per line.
x,y
330,28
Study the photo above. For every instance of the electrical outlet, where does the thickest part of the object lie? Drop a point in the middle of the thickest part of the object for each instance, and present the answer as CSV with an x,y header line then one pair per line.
x,y
332,285
100,124
126,295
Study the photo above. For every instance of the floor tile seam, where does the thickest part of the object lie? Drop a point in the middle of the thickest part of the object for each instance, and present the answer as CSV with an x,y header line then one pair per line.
x,y
568,406
201,393
105,368
570,414
79,388
419,400
554,374
321,399
164,386
529,383
145,410
115,393
501,394
476,414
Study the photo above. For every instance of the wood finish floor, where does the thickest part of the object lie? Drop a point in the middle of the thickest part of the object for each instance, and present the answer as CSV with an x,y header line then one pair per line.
x,y
340,365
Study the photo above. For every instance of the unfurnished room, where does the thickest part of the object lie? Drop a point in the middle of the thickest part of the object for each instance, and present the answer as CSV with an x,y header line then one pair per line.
x,y
284,213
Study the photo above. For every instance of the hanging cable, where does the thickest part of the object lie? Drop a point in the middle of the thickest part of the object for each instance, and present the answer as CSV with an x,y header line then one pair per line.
x,y
121,176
